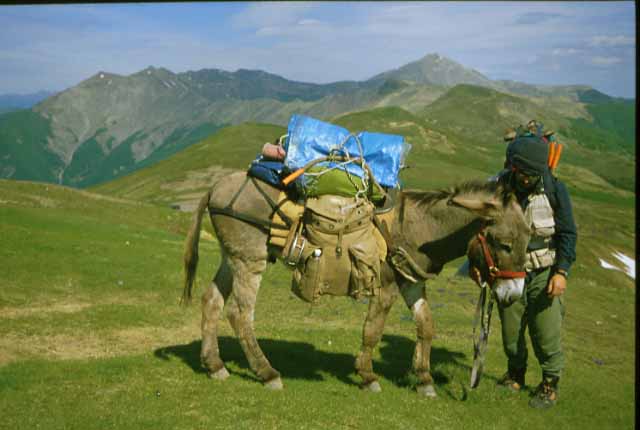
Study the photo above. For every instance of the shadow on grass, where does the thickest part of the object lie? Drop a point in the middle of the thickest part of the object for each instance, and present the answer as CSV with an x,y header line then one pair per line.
x,y
301,360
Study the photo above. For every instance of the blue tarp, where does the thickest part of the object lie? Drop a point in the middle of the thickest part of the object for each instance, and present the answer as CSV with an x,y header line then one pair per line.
x,y
309,138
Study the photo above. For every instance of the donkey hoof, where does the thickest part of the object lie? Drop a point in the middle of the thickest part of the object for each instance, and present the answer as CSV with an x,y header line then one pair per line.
x,y
219,375
275,384
373,387
427,391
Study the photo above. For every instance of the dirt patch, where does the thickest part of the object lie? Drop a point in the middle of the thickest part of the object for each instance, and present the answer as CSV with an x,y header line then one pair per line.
x,y
83,344
96,196
8,202
69,307
44,202
401,124
63,308
93,345
207,236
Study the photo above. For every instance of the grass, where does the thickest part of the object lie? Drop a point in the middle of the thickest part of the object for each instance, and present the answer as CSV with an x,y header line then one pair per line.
x,y
91,335
189,172
23,138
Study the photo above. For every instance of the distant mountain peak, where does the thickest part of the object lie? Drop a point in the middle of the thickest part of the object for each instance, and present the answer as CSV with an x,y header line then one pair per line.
x,y
434,56
435,69
154,71
101,76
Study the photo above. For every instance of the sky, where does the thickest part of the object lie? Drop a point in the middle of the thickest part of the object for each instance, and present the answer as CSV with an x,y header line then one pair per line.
x,y
54,47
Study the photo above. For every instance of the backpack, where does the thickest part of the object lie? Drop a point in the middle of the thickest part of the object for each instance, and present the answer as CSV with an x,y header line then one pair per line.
x,y
535,129
339,254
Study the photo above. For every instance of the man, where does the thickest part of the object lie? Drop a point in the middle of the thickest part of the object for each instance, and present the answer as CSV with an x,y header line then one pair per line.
x,y
550,253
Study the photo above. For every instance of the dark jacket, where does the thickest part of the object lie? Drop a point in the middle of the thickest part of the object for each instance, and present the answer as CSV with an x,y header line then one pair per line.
x,y
566,235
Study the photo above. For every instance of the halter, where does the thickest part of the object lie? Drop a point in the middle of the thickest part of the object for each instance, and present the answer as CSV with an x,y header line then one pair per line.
x,y
494,271
482,316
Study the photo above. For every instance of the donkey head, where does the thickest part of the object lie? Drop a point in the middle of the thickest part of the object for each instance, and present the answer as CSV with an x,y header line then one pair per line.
x,y
497,253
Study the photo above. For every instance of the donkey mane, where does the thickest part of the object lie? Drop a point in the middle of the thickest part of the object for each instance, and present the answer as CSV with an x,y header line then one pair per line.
x,y
426,198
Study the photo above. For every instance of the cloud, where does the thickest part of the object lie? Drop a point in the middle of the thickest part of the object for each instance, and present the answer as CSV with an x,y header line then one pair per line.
x,y
318,41
303,27
536,18
308,22
605,61
271,14
611,41
565,51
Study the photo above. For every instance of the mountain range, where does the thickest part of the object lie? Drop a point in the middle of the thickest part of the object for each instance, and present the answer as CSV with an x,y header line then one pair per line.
x,y
110,125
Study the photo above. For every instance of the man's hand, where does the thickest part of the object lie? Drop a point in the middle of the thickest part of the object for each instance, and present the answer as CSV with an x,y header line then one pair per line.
x,y
557,285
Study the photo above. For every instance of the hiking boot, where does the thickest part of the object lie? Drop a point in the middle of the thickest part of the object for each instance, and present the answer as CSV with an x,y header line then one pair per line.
x,y
546,395
512,380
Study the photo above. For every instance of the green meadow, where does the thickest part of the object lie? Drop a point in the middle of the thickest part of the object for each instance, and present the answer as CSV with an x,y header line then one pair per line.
x,y
92,336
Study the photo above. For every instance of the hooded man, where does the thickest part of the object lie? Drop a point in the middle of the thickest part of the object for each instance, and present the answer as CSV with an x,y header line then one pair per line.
x,y
550,253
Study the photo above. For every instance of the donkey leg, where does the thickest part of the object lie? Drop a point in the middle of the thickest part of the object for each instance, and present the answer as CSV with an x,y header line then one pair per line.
x,y
213,301
415,298
247,275
379,307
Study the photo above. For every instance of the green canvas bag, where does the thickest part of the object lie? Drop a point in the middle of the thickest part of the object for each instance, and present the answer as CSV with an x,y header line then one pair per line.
x,y
320,181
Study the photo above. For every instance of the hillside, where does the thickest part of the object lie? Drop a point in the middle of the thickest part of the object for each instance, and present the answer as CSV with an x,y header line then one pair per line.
x,y
182,178
441,154
23,149
110,125
90,286
479,116
612,127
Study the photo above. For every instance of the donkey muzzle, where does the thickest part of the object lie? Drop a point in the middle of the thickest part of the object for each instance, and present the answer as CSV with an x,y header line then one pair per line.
x,y
508,291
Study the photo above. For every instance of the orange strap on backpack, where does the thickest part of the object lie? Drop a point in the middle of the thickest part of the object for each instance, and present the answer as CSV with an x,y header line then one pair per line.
x,y
555,149
556,158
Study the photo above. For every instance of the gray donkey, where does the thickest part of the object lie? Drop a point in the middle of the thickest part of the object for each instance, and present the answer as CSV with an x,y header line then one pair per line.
x,y
433,227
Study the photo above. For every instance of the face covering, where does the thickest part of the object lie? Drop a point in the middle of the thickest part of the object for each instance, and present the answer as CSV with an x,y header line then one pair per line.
x,y
524,182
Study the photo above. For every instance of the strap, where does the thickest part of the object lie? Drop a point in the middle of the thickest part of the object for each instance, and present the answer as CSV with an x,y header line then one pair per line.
x,y
494,272
507,274
273,204
227,211
482,317
399,258
383,228
265,225
401,261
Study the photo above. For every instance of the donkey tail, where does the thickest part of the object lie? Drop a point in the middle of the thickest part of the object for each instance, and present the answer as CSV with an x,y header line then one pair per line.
x,y
191,249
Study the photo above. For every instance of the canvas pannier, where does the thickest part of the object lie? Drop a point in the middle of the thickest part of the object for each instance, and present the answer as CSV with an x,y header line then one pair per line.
x,y
341,253
320,180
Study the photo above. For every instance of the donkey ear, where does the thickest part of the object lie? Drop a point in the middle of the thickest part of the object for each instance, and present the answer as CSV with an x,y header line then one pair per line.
x,y
486,208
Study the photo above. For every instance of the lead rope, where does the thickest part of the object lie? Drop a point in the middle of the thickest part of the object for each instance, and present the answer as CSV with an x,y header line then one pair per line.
x,y
482,318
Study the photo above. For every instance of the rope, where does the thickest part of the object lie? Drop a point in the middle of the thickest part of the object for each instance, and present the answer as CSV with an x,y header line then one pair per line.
x,y
482,318
365,173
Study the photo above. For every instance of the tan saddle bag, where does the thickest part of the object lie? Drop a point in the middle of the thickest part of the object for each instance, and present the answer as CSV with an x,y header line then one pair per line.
x,y
341,254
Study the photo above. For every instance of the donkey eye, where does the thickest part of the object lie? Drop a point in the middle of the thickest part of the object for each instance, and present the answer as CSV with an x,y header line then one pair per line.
x,y
506,247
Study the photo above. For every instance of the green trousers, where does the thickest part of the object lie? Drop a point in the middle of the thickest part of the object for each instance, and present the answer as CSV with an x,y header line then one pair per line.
x,y
543,315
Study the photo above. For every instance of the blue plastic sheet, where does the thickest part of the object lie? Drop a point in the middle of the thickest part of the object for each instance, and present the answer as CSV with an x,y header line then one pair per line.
x,y
309,138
